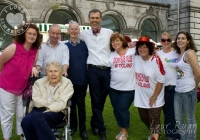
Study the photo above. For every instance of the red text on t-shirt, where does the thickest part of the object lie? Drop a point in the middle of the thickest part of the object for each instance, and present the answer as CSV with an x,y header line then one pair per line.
x,y
142,80
123,62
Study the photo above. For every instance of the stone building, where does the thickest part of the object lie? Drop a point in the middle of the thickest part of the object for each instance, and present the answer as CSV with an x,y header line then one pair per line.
x,y
129,17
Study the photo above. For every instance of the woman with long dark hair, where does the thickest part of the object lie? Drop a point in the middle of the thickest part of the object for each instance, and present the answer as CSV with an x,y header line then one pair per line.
x,y
188,77
16,65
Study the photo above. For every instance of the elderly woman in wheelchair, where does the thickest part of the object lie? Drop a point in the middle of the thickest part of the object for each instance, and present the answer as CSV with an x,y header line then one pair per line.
x,y
49,97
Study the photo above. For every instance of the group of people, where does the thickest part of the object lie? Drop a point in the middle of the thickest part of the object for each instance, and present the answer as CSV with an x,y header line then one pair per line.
x,y
155,80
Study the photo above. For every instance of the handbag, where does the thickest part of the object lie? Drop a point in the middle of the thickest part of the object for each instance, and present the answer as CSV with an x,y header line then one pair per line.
x,y
28,90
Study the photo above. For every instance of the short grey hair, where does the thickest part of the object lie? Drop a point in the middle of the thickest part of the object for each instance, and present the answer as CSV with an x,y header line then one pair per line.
x,y
54,26
54,63
73,22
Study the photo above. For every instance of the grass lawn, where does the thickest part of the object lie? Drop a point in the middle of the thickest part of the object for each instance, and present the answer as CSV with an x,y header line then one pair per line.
x,y
137,130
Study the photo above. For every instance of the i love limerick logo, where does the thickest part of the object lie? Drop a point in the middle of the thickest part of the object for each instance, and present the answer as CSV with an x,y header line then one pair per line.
x,y
13,18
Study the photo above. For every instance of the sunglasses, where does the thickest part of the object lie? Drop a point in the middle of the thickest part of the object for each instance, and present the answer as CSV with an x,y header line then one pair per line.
x,y
164,40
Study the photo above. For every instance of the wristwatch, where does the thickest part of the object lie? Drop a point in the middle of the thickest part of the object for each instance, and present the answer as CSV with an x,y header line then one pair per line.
x,y
154,98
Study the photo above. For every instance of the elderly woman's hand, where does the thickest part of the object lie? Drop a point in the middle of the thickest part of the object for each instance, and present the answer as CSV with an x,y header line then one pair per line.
x,y
48,110
34,72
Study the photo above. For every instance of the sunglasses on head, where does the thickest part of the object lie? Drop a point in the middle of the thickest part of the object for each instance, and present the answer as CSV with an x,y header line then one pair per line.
x,y
164,40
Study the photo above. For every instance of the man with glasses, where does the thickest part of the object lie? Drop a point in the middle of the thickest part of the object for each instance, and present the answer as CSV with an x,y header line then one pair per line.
x,y
98,42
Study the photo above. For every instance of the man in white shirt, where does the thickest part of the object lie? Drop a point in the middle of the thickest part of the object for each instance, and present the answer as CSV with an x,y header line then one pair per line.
x,y
98,42
53,49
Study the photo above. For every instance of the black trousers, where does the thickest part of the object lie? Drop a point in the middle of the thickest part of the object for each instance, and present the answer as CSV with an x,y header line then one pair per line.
x,y
38,125
78,101
99,85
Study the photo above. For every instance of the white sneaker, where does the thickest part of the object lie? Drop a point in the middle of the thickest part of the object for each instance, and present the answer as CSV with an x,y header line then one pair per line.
x,y
149,137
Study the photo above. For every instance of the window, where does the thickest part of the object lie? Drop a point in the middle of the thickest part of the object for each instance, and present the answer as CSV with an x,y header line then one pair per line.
x,y
110,22
149,29
61,17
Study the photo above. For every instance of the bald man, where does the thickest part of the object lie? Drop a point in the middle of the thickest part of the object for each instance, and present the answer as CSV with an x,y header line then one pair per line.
x,y
53,49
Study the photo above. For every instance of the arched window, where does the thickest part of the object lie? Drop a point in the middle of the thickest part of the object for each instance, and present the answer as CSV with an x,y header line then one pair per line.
x,y
110,22
149,29
5,39
61,17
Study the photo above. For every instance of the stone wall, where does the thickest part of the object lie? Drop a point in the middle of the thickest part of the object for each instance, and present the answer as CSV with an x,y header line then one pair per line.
x,y
131,13
189,20
194,24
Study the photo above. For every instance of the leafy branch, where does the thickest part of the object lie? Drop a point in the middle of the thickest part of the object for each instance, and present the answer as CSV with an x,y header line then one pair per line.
x,y
56,6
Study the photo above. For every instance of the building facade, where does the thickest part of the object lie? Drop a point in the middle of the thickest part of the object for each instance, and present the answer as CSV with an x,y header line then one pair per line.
x,y
129,17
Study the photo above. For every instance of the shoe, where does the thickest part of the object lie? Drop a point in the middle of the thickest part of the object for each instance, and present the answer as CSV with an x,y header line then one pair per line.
x,y
123,137
149,137
84,135
118,135
102,137
95,131
168,138
73,130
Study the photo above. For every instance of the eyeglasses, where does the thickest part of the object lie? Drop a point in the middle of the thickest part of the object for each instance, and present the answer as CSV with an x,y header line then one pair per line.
x,y
31,34
115,41
166,40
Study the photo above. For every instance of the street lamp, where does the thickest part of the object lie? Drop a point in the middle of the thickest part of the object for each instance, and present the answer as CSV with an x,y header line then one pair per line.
x,y
15,30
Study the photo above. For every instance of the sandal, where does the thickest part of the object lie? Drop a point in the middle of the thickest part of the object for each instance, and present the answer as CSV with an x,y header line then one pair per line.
x,y
123,137
118,136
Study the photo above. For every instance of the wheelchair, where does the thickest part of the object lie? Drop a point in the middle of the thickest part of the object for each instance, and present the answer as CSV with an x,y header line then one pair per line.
x,y
65,125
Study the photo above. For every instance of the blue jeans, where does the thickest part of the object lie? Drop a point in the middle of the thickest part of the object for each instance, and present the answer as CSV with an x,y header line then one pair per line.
x,y
185,103
121,101
168,110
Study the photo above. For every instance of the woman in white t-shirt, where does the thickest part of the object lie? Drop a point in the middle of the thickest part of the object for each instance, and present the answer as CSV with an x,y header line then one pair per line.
x,y
122,84
169,58
149,89
188,77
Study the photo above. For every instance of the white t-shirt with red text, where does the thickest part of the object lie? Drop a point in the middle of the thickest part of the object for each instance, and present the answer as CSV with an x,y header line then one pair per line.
x,y
122,70
147,75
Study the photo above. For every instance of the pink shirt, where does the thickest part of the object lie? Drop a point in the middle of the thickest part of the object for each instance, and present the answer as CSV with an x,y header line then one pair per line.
x,y
16,72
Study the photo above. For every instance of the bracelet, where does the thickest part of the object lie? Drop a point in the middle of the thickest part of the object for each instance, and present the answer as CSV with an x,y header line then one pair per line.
x,y
154,98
